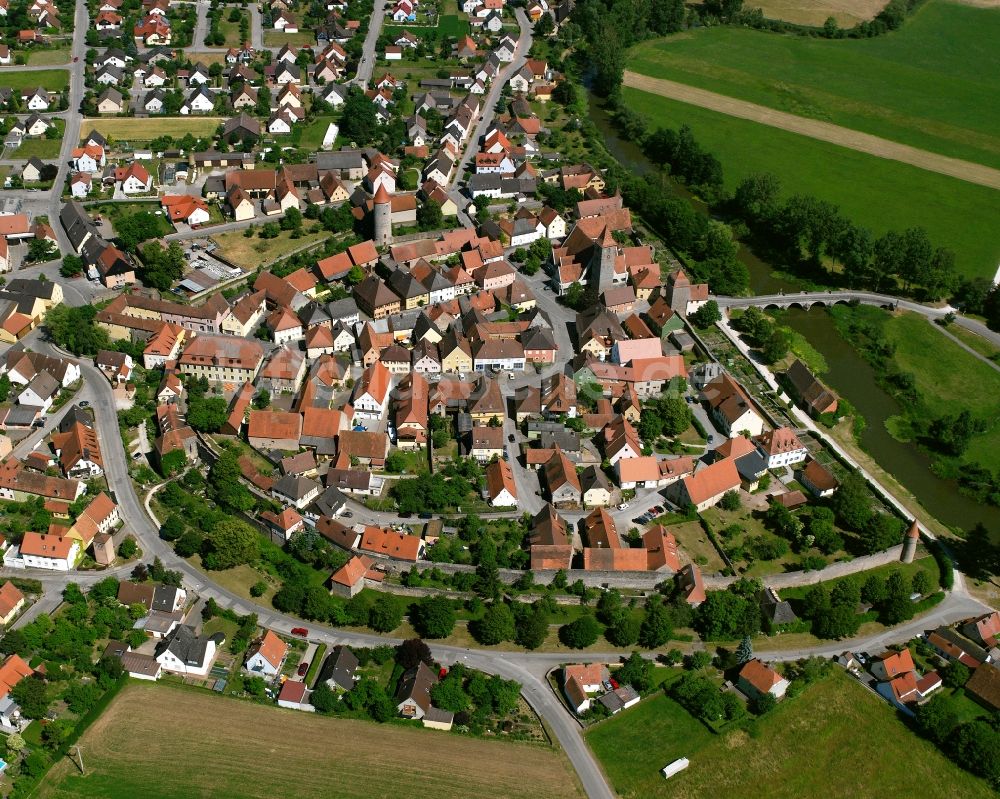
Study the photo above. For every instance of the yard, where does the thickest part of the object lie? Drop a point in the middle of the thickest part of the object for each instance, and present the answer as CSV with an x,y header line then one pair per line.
x,y
117,211
926,84
43,148
173,733
48,57
147,129
273,38
312,133
693,541
55,80
255,251
873,192
817,744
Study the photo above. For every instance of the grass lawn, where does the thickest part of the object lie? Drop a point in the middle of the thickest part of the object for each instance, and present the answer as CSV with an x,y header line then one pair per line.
x,y
311,136
694,541
816,744
273,38
41,58
41,148
289,754
256,251
239,579
116,211
923,563
231,30
974,340
944,375
927,84
146,129
873,192
55,80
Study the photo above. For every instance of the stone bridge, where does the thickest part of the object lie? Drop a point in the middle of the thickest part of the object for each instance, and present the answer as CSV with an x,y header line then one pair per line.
x,y
807,300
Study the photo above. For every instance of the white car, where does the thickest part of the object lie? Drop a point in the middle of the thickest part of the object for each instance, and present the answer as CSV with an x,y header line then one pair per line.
x,y
622,506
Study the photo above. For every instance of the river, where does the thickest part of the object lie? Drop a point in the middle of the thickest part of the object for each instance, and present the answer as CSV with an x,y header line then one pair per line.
x,y
850,375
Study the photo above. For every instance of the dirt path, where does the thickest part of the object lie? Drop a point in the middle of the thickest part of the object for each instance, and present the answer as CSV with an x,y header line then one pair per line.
x,y
815,129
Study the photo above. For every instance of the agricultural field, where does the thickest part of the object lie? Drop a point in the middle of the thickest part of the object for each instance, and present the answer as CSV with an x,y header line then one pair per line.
x,y
928,84
135,129
816,744
166,734
807,12
55,80
874,192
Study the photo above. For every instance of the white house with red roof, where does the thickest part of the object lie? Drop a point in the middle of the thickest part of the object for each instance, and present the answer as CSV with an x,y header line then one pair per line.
x,y
757,678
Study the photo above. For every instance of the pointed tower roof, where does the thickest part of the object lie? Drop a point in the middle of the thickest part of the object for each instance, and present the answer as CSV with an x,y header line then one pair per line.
x,y
382,196
914,531
607,240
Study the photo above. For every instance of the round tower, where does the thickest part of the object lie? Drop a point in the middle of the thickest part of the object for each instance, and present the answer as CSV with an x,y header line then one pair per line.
x,y
383,217
910,543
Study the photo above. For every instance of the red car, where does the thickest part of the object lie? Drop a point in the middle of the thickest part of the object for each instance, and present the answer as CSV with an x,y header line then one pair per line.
x,y
303,668
302,632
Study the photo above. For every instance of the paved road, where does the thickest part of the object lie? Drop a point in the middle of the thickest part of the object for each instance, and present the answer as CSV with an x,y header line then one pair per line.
x,y
817,129
366,66
489,101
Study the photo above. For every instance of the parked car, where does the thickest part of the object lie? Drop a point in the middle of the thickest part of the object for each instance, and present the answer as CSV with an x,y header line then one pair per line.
x,y
301,632
303,668
622,506
347,514
424,516
510,438
83,403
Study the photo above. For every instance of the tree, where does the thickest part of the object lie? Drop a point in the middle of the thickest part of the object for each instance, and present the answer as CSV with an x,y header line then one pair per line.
x,y
449,693
707,315
172,528
897,606
656,627
637,672
881,532
757,197
136,228
128,548
730,501
395,462
72,265
224,485
762,703
323,698
385,614
744,653
433,617
74,329
956,674
623,630
923,584
172,462
207,414
32,696
258,588
852,503
15,743
581,633
936,719
233,542
359,122
412,652
261,399
496,625
531,628
726,615
429,216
